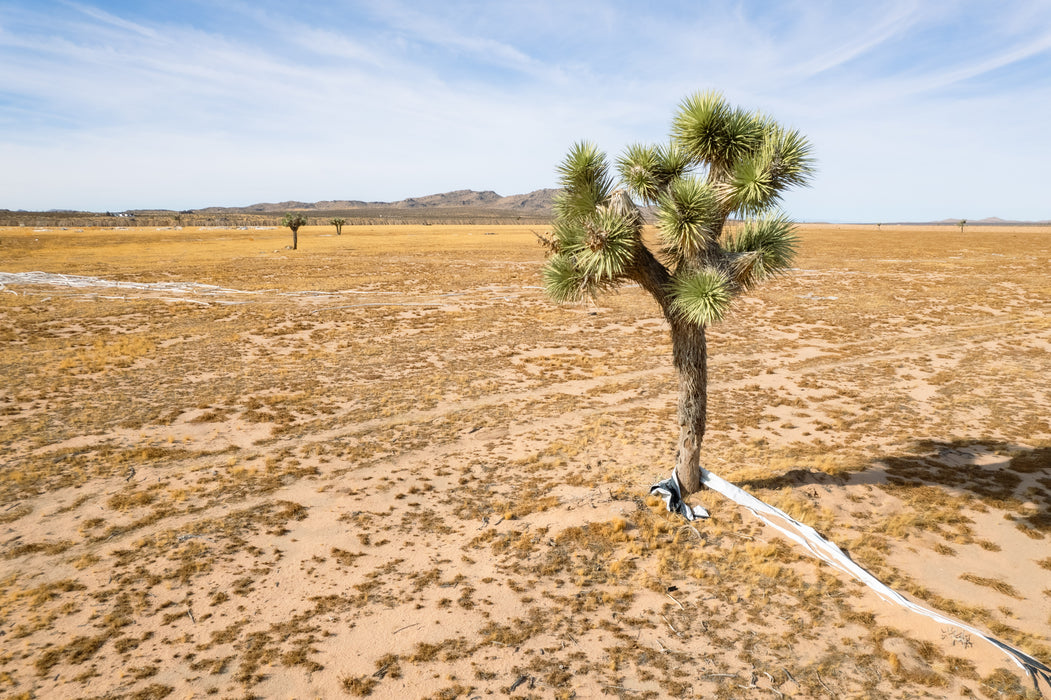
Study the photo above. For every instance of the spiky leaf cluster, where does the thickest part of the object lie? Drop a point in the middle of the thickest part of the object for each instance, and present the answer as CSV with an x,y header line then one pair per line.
x,y
647,171
585,182
721,162
760,249
294,220
712,132
688,219
596,230
702,297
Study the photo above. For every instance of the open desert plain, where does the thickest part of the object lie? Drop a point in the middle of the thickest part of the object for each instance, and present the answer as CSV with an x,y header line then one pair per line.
x,y
386,465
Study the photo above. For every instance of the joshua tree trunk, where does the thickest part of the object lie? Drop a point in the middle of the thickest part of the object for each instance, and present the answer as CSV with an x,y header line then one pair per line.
x,y
690,357
295,239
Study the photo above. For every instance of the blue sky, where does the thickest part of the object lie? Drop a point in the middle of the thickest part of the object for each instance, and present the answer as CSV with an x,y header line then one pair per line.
x,y
917,109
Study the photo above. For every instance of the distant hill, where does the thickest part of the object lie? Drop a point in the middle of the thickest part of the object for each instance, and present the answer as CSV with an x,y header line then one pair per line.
x,y
537,202
991,221
459,207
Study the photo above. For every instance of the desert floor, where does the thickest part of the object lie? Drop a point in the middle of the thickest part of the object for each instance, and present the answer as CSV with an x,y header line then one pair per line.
x,y
386,464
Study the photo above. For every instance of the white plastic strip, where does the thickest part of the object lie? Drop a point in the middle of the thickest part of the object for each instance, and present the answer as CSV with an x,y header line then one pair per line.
x,y
828,552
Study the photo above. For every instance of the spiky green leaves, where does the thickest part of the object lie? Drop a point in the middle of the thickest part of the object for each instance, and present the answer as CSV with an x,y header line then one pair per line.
x,y
593,253
648,170
722,161
756,182
761,249
687,217
710,131
294,220
751,159
701,297
792,159
563,282
605,244
585,181
639,169
596,231
749,188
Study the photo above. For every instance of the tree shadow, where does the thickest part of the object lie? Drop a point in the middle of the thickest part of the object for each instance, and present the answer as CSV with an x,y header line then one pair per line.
x,y
1000,474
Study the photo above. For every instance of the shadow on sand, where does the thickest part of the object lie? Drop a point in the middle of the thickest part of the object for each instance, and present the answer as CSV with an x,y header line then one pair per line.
x,y
1000,474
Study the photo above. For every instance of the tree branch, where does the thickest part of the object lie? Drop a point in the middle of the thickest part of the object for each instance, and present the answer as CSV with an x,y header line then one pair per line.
x,y
652,276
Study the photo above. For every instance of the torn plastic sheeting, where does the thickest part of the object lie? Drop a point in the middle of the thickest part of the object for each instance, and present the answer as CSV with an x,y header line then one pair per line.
x,y
828,552
671,491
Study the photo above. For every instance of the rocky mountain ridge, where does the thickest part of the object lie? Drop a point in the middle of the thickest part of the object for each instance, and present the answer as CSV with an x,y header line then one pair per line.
x,y
538,201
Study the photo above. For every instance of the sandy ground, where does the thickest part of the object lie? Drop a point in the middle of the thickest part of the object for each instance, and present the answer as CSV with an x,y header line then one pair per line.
x,y
387,465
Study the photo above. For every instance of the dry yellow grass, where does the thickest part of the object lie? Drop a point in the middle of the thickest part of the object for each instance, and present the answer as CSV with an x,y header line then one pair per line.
x,y
385,463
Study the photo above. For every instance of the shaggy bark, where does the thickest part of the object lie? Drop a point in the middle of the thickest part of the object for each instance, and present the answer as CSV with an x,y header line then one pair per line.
x,y
690,358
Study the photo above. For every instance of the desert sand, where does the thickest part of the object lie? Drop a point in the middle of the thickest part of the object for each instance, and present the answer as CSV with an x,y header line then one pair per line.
x,y
386,464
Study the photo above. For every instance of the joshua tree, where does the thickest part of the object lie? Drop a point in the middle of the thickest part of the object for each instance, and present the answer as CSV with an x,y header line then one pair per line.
x,y
338,223
721,162
294,221
963,222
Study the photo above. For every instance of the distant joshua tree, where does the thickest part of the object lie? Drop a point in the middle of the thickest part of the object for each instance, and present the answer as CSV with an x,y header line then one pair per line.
x,y
294,220
338,223
963,222
721,161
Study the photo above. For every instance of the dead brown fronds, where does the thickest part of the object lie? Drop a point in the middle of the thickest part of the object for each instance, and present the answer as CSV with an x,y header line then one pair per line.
x,y
998,585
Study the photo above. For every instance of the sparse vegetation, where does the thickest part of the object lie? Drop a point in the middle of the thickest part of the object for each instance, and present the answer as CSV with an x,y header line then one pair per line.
x,y
221,491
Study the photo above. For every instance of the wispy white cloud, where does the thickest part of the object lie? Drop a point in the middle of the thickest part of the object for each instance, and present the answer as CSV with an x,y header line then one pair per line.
x,y
982,65
423,26
113,20
864,35
234,102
